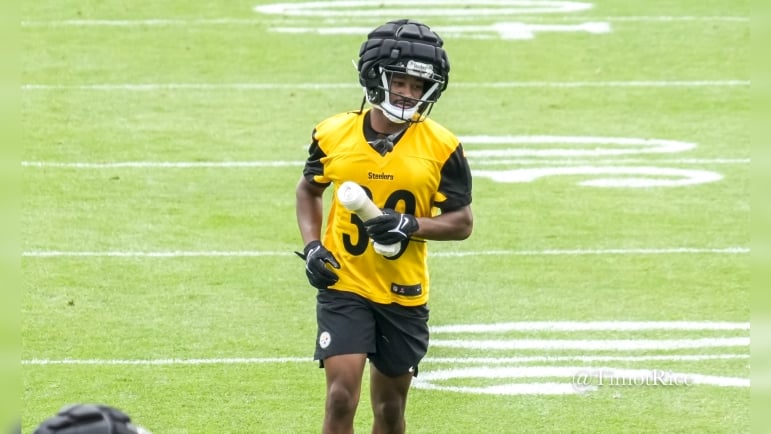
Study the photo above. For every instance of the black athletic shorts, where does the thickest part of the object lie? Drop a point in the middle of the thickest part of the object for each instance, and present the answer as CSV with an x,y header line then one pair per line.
x,y
394,337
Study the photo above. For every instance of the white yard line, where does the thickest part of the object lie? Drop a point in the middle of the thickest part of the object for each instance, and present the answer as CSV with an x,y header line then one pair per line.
x,y
580,326
586,359
437,360
256,253
188,86
605,162
591,344
278,164
168,254
154,362
162,164
633,83
581,252
336,86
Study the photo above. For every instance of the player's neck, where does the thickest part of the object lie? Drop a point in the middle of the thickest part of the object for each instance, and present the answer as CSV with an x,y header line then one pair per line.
x,y
382,125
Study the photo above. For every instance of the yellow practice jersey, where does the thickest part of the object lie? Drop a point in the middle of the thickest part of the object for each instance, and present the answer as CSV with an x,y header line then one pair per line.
x,y
426,171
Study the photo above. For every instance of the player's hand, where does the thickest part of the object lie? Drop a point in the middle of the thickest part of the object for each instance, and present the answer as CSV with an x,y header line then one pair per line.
x,y
391,227
316,258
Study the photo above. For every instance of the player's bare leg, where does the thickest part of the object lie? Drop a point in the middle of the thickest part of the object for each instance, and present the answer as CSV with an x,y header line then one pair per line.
x,y
343,374
389,399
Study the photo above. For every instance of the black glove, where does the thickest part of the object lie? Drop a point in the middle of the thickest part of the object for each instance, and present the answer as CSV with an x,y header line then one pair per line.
x,y
316,258
391,227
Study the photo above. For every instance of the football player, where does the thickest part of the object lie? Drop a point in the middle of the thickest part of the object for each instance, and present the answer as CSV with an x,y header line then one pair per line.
x,y
370,306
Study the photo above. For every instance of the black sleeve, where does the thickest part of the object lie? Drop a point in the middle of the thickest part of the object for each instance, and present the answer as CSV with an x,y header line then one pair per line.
x,y
455,184
313,165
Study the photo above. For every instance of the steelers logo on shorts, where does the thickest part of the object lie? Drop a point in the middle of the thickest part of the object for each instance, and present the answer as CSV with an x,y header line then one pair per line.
x,y
324,340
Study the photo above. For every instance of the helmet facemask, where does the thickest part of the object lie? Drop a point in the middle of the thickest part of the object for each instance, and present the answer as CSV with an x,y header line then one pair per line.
x,y
410,109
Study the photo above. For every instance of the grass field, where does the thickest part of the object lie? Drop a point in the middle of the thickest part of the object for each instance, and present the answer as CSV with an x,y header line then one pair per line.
x,y
605,287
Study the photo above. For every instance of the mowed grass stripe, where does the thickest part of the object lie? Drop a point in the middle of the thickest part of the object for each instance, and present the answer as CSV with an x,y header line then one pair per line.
x,y
336,86
279,164
436,360
181,22
582,326
592,344
257,253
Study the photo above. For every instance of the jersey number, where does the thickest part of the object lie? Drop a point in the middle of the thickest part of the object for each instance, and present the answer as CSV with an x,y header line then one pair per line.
x,y
403,196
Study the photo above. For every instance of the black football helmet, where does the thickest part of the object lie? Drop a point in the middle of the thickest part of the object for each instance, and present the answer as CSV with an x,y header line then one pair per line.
x,y
89,419
403,47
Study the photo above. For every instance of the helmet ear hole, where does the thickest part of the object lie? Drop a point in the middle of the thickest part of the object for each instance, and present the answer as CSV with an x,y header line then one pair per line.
x,y
375,95
371,83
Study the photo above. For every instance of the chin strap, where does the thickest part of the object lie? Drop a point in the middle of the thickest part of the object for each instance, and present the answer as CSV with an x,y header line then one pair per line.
x,y
363,102
394,118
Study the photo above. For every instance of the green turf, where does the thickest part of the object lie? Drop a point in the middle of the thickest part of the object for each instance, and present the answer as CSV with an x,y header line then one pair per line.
x,y
218,337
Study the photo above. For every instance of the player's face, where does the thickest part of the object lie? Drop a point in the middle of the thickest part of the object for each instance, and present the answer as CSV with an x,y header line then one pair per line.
x,y
405,90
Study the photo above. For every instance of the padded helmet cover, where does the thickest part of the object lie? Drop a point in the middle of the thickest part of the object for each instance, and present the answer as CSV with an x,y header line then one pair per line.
x,y
88,419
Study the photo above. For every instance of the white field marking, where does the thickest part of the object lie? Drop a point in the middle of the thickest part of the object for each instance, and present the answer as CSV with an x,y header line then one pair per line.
x,y
504,30
606,162
504,389
248,253
144,87
528,18
164,164
191,86
668,177
169,254
587,359
592,344
581,252
581,326
634,83
177,22
146,22
619,146
152,362
654,19
608,375
437,360
568,372
433,8
278,164
524,31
